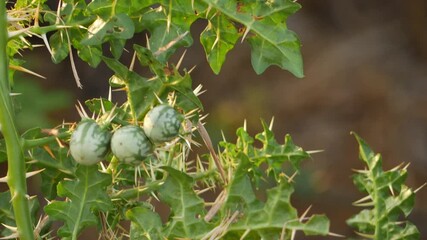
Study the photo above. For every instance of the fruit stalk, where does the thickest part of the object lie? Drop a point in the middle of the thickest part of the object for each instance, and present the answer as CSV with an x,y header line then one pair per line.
x,y
16,164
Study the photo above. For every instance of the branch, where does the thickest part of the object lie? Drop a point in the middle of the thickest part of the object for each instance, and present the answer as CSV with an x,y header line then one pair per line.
x,y
16,163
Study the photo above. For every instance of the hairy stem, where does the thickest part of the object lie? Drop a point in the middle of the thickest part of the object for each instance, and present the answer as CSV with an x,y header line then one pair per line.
x,y
16,164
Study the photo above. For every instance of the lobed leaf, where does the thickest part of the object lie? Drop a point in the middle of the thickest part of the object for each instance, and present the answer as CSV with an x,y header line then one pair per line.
x,y
145,224
218,38
187,209
272,153
167,32
270,219
85,196
56,168
143,93
272,43
389,197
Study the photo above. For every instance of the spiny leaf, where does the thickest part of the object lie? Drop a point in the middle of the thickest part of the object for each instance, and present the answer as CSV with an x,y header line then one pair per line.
x,y
272,153
270,218
89,54
167,34
106,8
277,154
59,46
272,43
7,216
119,26
56,169
145,224
390,198
218,38
143,93
85,196
6,213
186,219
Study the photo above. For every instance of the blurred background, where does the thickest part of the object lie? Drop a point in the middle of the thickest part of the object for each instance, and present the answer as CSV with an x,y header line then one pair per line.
x,y
365,71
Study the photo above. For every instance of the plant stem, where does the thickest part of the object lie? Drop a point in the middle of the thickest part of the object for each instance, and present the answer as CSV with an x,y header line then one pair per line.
x,y
45,29
137,191
16,163
38,142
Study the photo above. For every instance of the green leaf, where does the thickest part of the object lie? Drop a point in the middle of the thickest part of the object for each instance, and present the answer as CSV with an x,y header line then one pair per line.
x,y
141,91
270,218
98,105
117,46
172,80
410,232
85,196
388,196
116,27
7,216
90,54
241,196
59,46
106,8
218,38
167,34
6,213
285,54
187,209
276,154
182,85
145,224
272,43
57,167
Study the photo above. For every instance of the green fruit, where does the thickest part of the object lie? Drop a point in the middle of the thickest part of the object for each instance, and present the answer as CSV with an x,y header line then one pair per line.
x,y
162,123
89,142
130,144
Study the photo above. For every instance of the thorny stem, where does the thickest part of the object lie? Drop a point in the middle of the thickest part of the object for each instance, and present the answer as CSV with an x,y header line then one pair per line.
x,y
137,191
16,163
45,29
38,142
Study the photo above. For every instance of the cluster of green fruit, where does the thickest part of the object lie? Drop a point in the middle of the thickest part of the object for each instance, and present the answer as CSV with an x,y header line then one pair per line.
x,y
131,144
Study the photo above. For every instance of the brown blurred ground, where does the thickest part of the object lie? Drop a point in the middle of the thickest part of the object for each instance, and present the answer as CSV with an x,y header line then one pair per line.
x,y
365,67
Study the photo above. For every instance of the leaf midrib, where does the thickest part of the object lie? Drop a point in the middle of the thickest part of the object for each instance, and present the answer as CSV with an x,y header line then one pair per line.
x,y
79,215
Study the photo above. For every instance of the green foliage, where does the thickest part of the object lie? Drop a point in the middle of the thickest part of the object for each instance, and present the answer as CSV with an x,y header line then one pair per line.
x,y
275,217
168,23
186,219
111,192
218,39
145,224
86,197
7,216
271,43
388,198
240,212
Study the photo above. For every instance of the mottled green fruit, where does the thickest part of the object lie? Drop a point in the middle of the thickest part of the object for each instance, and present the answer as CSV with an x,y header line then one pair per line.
x,y
162,123
89,142
130,144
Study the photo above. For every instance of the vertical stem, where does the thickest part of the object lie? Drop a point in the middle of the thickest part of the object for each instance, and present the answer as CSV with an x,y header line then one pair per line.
x,y
16,165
